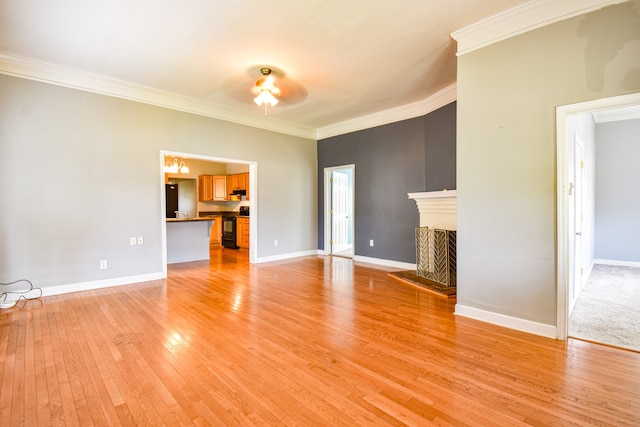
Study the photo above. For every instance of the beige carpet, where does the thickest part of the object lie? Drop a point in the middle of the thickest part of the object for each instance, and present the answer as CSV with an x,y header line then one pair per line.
x,y
608,310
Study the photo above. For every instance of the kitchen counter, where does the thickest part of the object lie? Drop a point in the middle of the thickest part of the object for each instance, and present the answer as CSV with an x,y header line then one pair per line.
x,y
199,218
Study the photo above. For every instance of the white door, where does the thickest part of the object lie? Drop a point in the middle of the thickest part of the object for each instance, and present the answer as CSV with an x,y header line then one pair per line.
x,y
340,201
578,273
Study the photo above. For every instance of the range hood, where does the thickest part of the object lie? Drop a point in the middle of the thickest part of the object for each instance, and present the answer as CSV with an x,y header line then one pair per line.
x,y
238,193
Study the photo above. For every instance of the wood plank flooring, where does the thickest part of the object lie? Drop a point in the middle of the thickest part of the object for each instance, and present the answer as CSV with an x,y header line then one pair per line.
x,y
311,341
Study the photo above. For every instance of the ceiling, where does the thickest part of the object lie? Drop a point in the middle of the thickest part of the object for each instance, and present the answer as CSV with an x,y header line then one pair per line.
x,y
334,60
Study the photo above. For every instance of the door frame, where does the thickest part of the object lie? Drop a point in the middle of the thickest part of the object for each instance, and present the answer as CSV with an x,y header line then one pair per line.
x,y
577,218
327,205
253,202
564,225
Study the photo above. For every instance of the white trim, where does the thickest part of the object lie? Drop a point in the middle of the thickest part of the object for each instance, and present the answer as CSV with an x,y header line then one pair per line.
x,y
618,263
437,209
289,255
416,109
253,203
253,212
521,19
53,74
443,194
61,76
385,262
99,284
617,114
510,322
327,216
562,196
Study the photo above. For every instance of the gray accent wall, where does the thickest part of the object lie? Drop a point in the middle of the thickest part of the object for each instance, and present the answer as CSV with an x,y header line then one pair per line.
x,y
617,191
82,174
390,161
440,149
506,151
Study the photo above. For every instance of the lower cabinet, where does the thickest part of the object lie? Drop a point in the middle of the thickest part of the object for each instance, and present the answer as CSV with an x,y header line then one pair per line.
x,y
215,235
242,232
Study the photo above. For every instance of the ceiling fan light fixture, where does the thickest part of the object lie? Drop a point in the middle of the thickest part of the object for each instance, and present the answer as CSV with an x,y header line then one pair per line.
x,y
266,90
265,97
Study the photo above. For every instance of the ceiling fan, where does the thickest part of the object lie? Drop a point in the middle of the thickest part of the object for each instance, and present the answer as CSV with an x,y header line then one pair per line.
x,y
266,90
267,86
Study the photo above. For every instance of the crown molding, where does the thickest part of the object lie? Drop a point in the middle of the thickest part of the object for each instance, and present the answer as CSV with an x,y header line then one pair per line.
x,y
61,76
66,77
416,109
521,19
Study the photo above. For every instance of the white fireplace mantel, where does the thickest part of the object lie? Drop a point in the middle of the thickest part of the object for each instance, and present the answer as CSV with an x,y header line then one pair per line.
x,y
438,209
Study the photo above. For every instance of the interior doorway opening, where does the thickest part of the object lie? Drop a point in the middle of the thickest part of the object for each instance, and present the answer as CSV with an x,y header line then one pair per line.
x,y
253,224
339,210
571,238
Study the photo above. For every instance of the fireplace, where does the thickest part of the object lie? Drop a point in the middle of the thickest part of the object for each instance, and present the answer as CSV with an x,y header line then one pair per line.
x,y
436,236
436,255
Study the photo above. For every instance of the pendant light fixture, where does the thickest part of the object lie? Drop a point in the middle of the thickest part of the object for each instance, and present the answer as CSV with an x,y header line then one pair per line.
x,y
175,167
266,90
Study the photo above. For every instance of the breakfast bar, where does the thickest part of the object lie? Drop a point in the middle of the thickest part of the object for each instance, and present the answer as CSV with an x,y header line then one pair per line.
x,y
188,239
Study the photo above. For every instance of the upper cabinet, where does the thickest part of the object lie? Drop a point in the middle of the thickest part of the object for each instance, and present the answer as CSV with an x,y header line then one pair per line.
x,y
247,184
205,188
216,188
212,188
238,181
219,188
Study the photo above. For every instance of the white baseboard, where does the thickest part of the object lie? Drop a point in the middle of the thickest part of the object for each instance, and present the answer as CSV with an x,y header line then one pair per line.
x,y
385,262
510,322
99,284
618,263
286,256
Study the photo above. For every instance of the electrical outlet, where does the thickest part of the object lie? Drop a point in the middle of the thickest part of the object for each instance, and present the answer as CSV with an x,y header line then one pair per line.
x,y
103,264
371,242
132,241
140,240
275,243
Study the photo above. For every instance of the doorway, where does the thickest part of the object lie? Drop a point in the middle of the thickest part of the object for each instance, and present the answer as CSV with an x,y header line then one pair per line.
x,y
571,239
253,224
339,210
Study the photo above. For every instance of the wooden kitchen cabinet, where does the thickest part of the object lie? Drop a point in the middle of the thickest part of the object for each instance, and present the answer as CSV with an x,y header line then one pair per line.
x,y
212,188
220,188
245,181
233,182
242,181
238,181
242,232
215,235
205,188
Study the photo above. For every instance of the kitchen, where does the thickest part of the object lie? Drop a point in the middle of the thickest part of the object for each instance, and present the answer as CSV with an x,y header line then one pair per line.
x,y
206,207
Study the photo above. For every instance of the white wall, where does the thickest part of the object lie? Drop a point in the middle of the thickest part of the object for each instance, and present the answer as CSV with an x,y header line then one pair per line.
x,y
617,191
82,173
507,96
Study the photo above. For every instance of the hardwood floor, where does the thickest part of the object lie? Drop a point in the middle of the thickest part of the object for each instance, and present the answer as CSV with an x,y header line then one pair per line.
x,y
308,341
